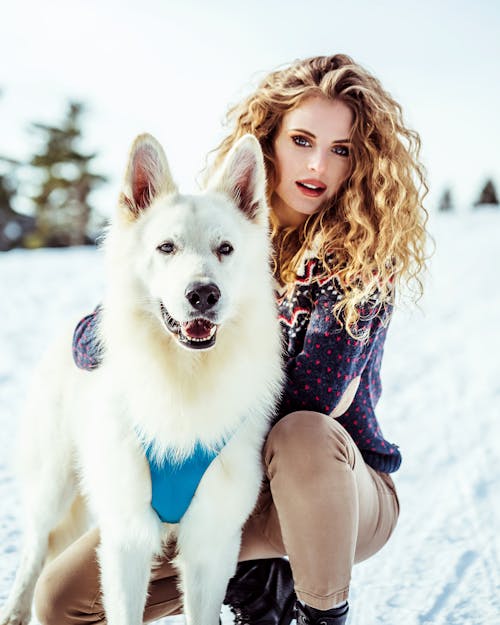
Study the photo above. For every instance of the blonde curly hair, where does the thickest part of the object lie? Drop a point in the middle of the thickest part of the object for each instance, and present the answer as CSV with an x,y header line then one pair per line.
x,y
371,235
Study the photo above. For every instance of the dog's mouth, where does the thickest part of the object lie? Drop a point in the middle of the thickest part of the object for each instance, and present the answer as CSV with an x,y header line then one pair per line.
x,y
199,333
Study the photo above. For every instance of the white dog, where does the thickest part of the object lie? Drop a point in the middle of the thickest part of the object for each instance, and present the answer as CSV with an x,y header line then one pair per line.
x,y
191,368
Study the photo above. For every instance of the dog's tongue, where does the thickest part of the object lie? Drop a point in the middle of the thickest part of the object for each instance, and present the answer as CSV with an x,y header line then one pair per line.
x,y
198,329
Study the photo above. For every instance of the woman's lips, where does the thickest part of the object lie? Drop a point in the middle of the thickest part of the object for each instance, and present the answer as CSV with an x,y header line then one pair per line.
x,y
311,188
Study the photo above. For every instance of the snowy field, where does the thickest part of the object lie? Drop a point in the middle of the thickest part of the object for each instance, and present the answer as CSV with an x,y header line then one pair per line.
x,y
441,404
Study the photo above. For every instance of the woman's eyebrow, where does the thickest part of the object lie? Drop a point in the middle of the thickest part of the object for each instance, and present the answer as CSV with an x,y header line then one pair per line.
x,y
310,134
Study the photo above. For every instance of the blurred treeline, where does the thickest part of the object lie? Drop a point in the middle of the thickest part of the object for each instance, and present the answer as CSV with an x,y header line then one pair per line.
x,y
487,197
58,179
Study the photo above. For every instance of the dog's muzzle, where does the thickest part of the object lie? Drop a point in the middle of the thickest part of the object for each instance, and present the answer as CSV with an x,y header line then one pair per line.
x,y
199,332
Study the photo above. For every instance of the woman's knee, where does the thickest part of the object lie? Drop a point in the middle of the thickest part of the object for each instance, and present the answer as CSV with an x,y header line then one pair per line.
x,y
49,601
308,437
64,593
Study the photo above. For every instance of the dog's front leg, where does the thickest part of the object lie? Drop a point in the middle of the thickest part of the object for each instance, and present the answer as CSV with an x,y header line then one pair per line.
x,y
116,477
126,557
209,535
205,569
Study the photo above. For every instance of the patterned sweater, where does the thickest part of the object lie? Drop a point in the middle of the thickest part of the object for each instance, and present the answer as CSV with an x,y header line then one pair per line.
x,y
321,359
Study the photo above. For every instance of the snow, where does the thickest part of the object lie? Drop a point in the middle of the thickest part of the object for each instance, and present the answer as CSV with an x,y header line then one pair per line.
x,y
441,388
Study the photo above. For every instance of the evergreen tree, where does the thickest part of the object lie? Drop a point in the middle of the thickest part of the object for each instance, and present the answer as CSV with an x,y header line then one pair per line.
x,y
488,195
7,190
62,208
446,203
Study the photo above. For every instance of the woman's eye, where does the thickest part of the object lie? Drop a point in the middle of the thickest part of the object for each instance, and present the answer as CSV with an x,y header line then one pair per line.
x,y
341,150
166,248
302,141
225,249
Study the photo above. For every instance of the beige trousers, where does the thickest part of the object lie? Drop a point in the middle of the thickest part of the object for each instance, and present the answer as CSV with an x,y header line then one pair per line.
x,y
320,505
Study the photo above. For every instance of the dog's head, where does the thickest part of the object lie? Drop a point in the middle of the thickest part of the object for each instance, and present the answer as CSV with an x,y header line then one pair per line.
x,y
193,259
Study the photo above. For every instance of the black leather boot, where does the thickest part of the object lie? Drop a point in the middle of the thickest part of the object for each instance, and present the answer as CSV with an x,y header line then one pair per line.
x,y
310,616
261,593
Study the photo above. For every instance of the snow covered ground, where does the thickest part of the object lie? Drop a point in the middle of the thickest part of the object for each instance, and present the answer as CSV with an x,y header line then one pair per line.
x,y
441,404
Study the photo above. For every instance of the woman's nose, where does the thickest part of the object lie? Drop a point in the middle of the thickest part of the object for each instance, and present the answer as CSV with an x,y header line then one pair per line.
x,y
318,162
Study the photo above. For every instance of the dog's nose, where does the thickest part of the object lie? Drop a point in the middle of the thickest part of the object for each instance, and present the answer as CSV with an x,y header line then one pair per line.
x,y
202,297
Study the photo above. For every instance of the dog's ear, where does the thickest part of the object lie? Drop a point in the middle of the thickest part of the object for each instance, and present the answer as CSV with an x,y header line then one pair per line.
x,y
147,176
242,176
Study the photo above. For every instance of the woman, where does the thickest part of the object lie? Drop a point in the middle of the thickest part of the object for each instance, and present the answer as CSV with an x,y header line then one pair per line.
x,y
345,188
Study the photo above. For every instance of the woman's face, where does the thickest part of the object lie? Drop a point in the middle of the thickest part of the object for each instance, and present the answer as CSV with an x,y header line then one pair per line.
x,y
312,158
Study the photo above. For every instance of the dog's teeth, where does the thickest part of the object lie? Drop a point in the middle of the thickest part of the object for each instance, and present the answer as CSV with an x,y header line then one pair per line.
x,y
198,340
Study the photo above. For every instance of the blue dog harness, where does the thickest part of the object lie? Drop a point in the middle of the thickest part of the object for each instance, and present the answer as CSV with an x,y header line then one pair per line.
x,y
174,482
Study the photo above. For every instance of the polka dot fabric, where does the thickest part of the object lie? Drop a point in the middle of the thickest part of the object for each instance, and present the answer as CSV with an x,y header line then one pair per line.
x,y
86,348
322,359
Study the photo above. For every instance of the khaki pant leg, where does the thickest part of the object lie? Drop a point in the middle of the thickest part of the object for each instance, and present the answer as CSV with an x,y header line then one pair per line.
x,y
323,507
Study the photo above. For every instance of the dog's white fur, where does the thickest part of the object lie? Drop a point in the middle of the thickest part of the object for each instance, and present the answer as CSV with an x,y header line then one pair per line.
x,y
80,435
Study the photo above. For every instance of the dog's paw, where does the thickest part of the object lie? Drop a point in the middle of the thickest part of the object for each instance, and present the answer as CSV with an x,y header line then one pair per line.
x,y
15,617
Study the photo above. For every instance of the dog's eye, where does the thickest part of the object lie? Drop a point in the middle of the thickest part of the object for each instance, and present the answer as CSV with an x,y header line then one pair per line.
x,y
225,249
166,248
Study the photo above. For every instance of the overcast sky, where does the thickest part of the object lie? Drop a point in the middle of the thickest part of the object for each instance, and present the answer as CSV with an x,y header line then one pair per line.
x,y
172,68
